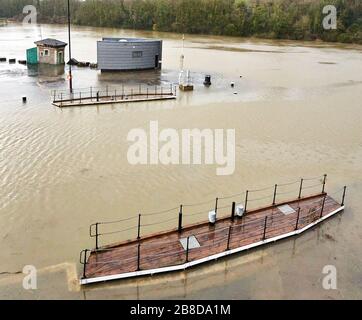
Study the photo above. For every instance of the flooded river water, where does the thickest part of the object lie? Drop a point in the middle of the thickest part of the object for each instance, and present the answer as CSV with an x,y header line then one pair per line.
x,y
296,108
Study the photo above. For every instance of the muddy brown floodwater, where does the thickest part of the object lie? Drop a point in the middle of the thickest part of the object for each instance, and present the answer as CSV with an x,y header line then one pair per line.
x,y
296,110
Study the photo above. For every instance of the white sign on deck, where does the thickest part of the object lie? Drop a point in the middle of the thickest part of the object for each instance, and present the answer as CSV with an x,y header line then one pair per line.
x,y
193,243
286,209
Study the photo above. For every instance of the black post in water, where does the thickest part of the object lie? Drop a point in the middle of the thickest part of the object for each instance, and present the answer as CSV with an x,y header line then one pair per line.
x,y
138,256
296,225
216,201
344,195
229,235
97,235
264,235
139,227
300,188
324,201
187,250
180,220
324,182
233,211
275,194
97,95
246,200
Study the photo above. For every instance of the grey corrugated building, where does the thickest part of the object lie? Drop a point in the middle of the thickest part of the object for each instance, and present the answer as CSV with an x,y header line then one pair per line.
x,y
114,54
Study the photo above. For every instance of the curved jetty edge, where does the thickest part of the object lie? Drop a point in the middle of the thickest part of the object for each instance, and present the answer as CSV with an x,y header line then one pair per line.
x,y
191,245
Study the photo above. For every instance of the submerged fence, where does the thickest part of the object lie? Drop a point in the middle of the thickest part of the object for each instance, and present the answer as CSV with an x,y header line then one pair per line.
x,y
259,228
111,93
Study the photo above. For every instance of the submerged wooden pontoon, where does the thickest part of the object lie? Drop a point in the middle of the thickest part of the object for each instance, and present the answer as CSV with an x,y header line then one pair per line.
x,y
188,246
110,95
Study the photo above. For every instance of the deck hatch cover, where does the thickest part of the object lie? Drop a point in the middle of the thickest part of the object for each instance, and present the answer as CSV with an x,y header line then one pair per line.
x,y
286,209
193,243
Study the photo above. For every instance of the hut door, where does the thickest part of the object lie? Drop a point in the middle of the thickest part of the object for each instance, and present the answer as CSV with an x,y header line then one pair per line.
x,y
60,58
156,61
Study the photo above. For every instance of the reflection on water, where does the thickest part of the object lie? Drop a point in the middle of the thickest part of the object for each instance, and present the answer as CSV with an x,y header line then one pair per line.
x,y
61,170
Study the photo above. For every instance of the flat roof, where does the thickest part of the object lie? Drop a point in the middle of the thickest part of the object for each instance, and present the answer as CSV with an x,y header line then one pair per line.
x,y
129,39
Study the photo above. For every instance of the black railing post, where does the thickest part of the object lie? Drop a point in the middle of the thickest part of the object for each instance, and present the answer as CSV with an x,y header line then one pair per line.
x,y
80,97
139,90
97,235
229,236
300,188
233,211
138,256
180,220
264,234
324,201
246,200
139,227
344,195
324,182
187,250
216,201
85,263
97,96
275,194
298,215
107,91
147,93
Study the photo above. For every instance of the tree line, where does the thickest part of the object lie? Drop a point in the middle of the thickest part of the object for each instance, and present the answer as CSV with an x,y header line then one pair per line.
x,y
276,19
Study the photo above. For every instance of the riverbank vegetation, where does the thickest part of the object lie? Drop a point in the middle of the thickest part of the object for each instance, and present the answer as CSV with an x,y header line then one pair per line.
x,y
275,19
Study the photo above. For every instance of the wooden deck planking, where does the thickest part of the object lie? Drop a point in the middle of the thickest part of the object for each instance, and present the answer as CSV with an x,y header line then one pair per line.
x,y
165,249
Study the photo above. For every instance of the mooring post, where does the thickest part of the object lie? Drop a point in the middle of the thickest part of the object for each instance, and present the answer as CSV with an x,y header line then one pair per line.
x,y
139,227
187,249
246,200
300,188
216,201
324,201
324,182
138,255
180,220
264,234
229,236
344,195
298,214
275,194
233,211
97,236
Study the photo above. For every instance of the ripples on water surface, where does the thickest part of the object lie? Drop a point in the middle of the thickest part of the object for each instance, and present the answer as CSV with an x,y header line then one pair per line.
x,y
297,112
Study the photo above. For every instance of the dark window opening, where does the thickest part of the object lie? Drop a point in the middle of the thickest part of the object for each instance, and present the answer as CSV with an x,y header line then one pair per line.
x,y
137,54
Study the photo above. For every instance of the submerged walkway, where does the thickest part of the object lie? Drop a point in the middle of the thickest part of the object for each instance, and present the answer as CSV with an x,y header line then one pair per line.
x,y
169,251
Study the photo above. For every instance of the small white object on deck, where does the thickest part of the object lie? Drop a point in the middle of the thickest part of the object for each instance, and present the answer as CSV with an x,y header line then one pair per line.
x,y
212,216
239,210
193,243
286,209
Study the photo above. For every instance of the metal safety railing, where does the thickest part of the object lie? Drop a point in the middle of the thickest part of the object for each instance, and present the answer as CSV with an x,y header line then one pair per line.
x,y
262,229
112,93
